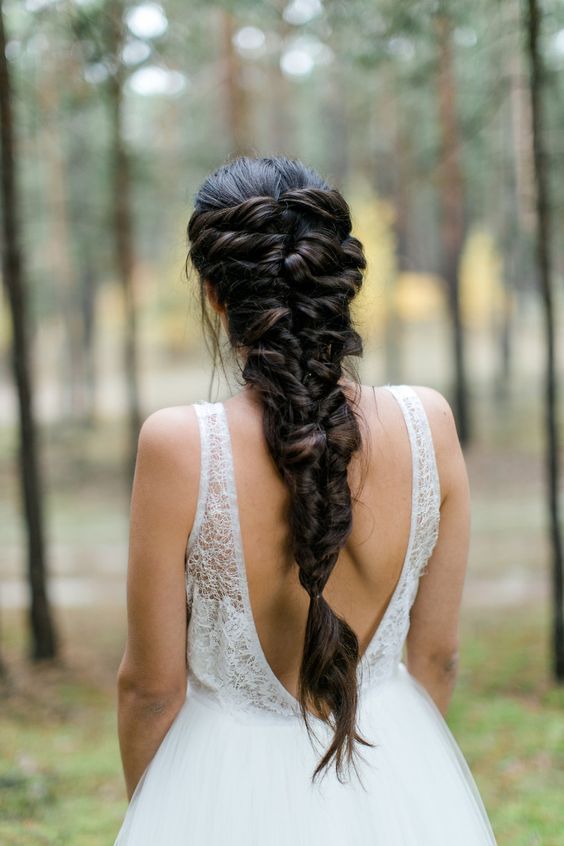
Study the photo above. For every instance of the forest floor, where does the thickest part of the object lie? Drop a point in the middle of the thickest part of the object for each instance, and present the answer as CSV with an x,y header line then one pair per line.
x,y
60,773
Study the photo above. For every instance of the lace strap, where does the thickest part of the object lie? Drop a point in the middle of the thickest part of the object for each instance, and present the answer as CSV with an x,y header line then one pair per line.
x,y
426,494
204,411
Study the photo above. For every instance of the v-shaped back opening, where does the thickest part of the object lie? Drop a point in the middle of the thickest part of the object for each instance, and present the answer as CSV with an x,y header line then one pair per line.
x,y
236,528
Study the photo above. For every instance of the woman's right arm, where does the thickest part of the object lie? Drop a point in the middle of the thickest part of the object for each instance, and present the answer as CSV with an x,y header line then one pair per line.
x,y
433,638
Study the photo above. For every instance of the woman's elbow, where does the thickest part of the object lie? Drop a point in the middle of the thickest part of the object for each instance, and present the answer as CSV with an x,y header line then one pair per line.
x,y
437,671
150,699
442,659
447,662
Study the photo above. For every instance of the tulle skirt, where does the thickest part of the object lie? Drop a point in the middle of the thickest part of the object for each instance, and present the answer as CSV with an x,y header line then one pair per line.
x,y
224,780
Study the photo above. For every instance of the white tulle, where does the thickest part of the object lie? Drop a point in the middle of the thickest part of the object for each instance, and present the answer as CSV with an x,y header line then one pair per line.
x,y
235,766
219,780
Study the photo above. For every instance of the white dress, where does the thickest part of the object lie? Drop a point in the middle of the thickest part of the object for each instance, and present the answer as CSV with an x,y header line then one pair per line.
x,y
235,767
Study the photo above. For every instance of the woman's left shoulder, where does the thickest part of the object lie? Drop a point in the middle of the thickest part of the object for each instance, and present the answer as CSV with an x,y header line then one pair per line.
x,y
170,437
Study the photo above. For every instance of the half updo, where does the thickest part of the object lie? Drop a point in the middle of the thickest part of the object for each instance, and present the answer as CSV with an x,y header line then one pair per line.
x,y
274,241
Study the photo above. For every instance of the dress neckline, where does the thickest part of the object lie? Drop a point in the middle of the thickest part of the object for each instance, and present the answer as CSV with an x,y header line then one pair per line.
x,y
241,564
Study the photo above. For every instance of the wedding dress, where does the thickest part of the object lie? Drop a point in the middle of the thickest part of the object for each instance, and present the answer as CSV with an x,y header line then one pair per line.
x,y
235,767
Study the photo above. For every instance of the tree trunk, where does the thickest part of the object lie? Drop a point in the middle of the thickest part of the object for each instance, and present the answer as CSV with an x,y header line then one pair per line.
x,y
337,127
121,191
71,352
43,636
451,195
236,103
279,100
88,290
543,248
398,175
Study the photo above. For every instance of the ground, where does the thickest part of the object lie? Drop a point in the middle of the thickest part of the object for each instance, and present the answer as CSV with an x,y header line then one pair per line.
x,y
60,773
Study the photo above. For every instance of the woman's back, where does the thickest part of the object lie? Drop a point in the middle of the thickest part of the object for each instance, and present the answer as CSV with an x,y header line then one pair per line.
x,y
237,755
369,565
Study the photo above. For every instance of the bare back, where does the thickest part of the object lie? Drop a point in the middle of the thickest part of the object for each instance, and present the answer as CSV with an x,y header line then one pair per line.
x,y
369,566
227,612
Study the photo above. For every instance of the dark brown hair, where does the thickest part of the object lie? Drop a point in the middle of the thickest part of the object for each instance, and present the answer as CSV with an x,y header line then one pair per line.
x,y
274,240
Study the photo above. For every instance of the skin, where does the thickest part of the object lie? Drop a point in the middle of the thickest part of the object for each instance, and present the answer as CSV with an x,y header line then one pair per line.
x,y
152,677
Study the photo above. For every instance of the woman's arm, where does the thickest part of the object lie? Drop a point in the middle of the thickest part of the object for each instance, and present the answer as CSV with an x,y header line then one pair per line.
x,y
152,676
432,641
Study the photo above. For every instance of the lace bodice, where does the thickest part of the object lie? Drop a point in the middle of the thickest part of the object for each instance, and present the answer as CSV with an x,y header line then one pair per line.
x,y
225,657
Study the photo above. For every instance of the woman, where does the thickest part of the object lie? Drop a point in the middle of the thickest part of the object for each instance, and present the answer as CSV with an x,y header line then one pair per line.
x,y
285,547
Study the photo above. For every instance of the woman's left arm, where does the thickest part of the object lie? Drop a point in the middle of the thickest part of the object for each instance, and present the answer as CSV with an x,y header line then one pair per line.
x,y
152,676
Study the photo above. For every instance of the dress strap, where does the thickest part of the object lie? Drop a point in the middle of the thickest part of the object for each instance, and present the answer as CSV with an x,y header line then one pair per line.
x,y
426,498
207,414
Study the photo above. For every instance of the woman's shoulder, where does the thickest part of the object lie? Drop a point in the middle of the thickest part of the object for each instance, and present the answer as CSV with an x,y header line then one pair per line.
x,y
164,427
169,443
441,420
442,427
435,405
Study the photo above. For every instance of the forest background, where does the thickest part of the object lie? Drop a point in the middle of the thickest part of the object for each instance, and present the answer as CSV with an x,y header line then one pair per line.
x,y
442,122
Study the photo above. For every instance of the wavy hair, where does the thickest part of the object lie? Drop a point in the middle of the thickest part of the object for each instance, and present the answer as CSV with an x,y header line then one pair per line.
x,y
274,240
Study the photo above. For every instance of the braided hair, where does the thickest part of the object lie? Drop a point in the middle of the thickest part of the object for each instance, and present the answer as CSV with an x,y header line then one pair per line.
x,y
274,240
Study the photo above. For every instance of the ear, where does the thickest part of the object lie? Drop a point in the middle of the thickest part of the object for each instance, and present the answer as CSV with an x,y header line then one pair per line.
x,y
211,294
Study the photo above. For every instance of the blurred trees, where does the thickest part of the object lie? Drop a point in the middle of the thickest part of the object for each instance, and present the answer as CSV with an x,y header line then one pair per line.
x,y
43,637
102,36
121,206
452,210
236,103
544,229
416,110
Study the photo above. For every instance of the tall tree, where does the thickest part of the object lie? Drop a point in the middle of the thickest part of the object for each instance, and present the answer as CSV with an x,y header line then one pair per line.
x,y
451,195
122,219
544,263
236,101
393,180
43,636
281,125
515,217
65,277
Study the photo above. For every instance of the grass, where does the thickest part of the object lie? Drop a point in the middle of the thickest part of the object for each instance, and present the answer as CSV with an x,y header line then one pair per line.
x,y
60,772
509,720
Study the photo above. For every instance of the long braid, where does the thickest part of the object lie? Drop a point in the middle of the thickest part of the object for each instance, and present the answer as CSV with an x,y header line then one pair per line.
x,y
275,241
